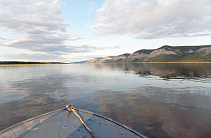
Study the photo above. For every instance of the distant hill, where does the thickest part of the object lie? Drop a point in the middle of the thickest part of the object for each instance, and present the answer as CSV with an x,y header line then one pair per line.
x,y
165,53
79,62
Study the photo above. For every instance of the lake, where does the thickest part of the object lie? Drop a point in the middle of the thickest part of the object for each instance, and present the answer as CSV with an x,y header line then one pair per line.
x,y
158,100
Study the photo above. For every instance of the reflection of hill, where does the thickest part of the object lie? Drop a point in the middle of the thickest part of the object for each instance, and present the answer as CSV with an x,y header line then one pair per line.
x,y
154,117
164,70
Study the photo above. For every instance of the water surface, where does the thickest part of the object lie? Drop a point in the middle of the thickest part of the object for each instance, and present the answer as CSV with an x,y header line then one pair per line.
x,y
158,100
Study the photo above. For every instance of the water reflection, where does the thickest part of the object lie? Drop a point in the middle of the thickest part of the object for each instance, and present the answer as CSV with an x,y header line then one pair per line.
x,y
158,100
32,90
163,116
163,70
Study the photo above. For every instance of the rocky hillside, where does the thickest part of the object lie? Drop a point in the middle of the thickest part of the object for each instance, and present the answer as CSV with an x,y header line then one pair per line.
x,y
163,54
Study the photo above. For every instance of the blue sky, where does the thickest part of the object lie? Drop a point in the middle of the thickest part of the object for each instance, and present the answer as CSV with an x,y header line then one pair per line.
x,y
76,30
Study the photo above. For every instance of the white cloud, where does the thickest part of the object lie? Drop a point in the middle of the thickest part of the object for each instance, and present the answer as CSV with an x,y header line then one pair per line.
x,y
31,56
21,16
38,26
53,52
91,6
150,19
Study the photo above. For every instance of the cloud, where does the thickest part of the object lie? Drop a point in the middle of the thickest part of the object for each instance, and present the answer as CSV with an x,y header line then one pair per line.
x,y
54,52
3,39
151,19
38,26
31,56
23,16
91,6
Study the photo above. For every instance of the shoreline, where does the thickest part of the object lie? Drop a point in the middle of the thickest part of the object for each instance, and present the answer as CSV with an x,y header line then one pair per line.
x,y
27,63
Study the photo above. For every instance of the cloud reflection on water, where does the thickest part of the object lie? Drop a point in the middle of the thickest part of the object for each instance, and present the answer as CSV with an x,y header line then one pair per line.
x,y
146,97
157,114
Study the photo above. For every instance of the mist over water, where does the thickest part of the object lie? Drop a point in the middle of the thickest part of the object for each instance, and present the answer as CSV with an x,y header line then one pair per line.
x,y
158,100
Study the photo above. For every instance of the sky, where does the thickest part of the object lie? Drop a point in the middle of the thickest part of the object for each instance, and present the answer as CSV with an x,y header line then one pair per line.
x,y
78,30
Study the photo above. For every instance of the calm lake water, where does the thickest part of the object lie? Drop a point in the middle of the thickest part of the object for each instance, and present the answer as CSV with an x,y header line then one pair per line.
x,y
158,100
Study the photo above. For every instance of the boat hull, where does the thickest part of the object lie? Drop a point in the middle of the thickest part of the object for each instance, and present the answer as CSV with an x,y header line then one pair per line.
x,y
60,124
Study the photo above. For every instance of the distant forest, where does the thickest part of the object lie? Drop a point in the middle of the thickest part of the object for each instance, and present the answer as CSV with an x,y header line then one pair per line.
x,y
25,62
